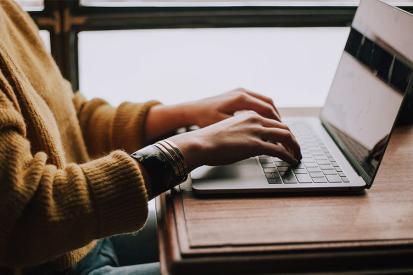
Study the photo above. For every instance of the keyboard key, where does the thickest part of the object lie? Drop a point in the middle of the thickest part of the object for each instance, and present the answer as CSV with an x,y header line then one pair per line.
x,y
323,162
345,179
300,166
330,172
317,175
338,169
290,180
270,170
303,178
267,165
300,171
271,175
341,174
307,159
320,158
313,169
333,178
288,177
281,163
311,164
276,180
335,164
265,160
320,180
283,169
326,166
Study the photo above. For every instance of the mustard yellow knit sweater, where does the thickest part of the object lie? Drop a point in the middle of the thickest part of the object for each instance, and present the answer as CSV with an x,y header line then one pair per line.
x,y
54,199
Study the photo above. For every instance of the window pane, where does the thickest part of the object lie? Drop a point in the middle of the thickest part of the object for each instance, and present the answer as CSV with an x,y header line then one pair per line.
x,y
294,66
45,36
120,3
31,5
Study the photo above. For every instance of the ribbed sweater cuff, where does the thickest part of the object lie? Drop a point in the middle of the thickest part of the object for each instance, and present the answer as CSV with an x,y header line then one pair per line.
x,y
118,192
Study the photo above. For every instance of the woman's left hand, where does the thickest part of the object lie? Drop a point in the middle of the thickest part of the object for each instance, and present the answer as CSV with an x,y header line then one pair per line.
x,y
208,111
164,119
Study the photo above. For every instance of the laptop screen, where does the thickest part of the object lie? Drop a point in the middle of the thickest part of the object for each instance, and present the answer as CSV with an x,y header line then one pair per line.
x,y
374,73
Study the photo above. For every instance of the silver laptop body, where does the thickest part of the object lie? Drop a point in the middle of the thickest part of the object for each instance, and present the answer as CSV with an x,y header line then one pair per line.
x,y
343,147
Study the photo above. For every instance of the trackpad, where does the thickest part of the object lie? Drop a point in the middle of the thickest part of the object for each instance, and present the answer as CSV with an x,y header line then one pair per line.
x,y
244,169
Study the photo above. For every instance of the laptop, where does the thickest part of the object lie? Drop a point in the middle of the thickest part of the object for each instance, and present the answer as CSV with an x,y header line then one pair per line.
x,y
343,147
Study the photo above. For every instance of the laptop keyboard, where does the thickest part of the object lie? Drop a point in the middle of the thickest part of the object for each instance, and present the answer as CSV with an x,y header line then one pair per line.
x,y
317,164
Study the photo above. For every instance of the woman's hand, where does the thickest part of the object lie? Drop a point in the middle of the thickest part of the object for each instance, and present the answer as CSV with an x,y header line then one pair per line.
x,y
236,138
210,110
163,119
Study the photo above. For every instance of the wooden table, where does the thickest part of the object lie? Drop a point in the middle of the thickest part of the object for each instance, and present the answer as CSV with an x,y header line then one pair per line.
x,y
295,234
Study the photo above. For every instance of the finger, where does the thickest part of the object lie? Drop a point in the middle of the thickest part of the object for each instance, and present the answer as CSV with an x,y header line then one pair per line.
x,y
271,123
283,136
263,98
259,106
278,151
245,112
276,124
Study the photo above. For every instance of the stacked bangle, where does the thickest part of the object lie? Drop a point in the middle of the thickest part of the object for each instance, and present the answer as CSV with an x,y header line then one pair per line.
x,y
177,159
164,164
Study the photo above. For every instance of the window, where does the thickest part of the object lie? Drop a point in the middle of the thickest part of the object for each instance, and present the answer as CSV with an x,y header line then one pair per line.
x,y
294,66
45,36
117,49
31,5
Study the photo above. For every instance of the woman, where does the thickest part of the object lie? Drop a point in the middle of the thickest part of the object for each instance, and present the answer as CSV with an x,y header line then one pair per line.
x,y
66,176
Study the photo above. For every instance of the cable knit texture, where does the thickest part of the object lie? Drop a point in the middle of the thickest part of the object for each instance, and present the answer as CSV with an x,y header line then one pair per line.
x,y
66,179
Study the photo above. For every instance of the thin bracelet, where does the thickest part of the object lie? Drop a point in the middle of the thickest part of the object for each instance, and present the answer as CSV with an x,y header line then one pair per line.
x,y
178,152
178,155
169,157
178,160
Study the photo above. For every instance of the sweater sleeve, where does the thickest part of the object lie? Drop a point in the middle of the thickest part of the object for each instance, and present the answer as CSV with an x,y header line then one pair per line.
x,y
46,211
106,128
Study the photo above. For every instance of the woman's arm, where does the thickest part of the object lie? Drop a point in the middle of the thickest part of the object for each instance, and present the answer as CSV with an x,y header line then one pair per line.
x,y
47,210
106,128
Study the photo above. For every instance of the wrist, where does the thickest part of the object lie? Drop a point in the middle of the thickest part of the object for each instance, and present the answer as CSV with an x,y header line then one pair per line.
x,y
187,113
179,114
182,114
191,149
165,119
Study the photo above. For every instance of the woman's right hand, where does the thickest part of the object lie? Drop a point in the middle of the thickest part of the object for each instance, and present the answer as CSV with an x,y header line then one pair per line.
x,y
236,138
